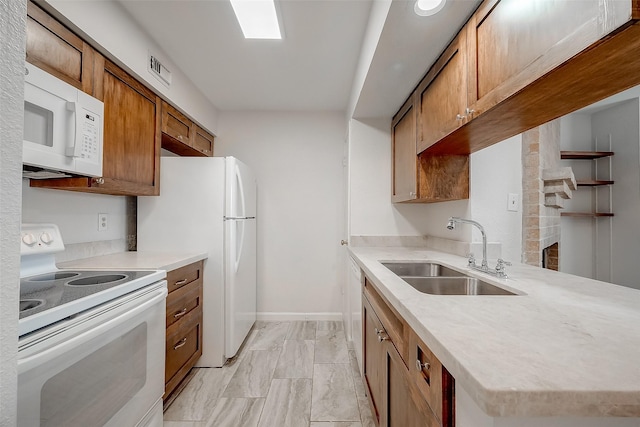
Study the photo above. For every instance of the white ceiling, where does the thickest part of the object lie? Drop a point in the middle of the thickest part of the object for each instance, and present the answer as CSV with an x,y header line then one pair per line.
x,y
313,67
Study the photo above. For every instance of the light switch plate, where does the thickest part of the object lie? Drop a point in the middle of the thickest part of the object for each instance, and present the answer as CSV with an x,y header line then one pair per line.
x,y
512,202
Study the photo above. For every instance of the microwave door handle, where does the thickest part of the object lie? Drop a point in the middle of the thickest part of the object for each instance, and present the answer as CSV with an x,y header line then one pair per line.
x,y
75,148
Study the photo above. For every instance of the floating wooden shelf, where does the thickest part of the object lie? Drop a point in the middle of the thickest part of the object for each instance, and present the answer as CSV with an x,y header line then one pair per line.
x,y
584,154
592,182
586,214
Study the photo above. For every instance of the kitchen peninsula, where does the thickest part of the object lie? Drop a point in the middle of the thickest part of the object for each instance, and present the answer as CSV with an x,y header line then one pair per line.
x,y
562,352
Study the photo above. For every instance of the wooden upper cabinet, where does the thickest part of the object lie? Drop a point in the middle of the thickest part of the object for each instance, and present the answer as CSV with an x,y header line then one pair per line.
x,y
442,95
404,185
182,136
512,43
131,135
54,48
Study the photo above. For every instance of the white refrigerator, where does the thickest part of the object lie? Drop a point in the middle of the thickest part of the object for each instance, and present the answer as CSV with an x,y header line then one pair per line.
x,y
208,204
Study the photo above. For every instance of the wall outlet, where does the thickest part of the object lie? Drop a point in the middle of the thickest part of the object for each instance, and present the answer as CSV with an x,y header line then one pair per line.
x,y
512,202
103,222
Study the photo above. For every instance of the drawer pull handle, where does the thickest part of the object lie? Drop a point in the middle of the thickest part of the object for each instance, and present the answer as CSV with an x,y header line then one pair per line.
x,y
180,313
421,365
180,282
180,343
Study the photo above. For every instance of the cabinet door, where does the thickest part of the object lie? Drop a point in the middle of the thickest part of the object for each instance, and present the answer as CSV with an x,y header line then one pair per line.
x,y
54,48
374,360
442,95
176,125
203,141
403,145
131,135
512,43
405,408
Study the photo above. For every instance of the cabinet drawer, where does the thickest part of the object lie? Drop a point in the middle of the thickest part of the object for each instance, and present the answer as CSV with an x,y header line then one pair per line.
x,y
431,379
183,348
203,141
183,301
176,125
183,276
392,322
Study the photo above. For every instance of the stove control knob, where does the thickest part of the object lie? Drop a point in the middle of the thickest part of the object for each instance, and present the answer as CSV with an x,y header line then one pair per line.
x,y
29,239
46,238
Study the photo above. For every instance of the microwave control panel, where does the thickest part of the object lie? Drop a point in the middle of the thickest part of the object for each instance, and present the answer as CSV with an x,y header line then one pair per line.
x,y
90,138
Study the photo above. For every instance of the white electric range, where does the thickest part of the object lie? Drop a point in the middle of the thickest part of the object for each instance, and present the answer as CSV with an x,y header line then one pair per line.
x,y
91,344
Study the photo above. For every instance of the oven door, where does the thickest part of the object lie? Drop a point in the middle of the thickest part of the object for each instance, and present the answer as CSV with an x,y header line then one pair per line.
x,y
105,366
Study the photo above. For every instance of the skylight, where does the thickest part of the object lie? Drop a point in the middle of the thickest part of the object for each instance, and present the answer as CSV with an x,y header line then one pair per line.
x,y
257,18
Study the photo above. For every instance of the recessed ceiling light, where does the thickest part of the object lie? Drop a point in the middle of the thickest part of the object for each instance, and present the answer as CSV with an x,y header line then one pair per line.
x,y
257,18
428,7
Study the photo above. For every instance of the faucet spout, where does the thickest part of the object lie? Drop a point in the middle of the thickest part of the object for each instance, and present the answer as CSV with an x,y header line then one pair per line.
x,y
455,220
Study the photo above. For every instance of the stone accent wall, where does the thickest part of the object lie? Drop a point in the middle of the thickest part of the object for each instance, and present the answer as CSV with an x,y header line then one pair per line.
x,y
551,255
541,224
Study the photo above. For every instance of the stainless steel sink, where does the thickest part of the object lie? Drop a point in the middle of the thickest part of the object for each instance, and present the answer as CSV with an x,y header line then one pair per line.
x,y
421,269
454,286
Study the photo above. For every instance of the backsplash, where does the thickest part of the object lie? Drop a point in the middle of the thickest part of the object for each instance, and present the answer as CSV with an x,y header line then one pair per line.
x,y
454,247
75,251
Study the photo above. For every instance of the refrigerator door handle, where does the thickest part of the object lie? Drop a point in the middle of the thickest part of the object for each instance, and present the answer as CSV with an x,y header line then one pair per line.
x,y
240,189
232,218
239,243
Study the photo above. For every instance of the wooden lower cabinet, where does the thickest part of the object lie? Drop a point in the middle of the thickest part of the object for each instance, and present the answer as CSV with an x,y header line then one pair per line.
x,y
401,394
184,324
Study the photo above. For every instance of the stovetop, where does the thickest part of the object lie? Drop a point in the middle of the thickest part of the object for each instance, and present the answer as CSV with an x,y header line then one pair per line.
x,y
50,297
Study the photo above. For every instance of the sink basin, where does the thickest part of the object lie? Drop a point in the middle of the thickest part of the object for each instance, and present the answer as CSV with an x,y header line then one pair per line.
x,y
454,286
421,269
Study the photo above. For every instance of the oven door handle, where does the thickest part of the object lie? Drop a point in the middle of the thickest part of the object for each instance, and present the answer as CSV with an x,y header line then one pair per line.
x,y
119,316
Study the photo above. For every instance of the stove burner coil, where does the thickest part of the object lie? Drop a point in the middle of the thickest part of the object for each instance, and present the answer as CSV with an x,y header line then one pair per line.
x,y
49,277
28,304
97,280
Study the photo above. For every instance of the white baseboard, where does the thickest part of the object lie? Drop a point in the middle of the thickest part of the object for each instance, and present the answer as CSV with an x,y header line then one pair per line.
x,y
274,316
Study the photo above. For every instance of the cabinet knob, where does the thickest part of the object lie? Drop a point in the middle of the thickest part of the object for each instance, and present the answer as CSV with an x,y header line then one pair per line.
x,y
421,365
459,117
470,111
99,181
384,337
412,193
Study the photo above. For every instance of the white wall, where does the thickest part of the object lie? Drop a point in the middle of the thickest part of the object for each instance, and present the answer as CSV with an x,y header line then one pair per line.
x,y
108,25
76,214
12,42
373,214
577,239
297,159
496,171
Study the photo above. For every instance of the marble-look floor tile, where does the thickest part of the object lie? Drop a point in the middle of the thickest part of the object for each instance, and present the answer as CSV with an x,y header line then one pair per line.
x,y
330,325
334,397
236,412
302,330
296,360
366,413
331,347
268,337
336,424
197,400
253,376
288,403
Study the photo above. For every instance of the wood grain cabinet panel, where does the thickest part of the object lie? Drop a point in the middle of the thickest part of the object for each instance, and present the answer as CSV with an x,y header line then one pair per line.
x,y
54,48
442,95
373,360
203,141
404,185
184,324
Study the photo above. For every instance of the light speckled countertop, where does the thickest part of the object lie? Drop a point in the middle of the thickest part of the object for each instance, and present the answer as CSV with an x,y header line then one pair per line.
x,y
136,261
569,347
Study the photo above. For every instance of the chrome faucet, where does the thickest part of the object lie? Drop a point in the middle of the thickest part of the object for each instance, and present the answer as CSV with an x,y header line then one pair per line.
x,y
484,266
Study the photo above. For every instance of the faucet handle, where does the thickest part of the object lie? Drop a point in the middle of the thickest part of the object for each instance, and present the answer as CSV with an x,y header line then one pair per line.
x,y
472,259
500,268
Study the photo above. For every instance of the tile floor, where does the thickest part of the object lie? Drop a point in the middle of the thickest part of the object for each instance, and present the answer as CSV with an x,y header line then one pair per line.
x,y
288,374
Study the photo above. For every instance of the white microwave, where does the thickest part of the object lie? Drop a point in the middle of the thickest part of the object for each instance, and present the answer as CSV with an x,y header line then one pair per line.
x,y
63,128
